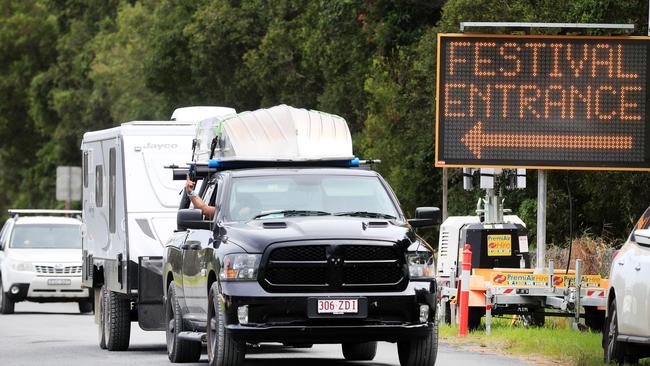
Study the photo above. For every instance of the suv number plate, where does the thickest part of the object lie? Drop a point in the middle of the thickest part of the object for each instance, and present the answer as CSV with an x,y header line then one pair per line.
x,y
59,281
346,306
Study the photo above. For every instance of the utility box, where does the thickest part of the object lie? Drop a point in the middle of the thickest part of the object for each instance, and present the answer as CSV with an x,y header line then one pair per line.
x,y
497,245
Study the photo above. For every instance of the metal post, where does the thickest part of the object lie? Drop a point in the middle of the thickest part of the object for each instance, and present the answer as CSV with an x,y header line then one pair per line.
x,y
445,192
578,284
551,273
488,311
452,304
541,221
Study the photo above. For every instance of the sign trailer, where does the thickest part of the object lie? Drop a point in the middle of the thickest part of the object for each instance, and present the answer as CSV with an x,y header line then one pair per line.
x,y
552,102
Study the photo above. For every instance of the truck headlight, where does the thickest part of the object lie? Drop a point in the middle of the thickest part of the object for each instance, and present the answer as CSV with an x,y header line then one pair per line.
x,y
420,265
22,266
240,267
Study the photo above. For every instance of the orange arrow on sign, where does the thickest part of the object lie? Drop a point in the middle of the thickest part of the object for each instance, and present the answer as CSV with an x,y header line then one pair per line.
x,y
475,139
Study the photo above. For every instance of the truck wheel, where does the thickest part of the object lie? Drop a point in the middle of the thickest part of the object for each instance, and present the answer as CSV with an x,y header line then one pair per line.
x,y
614,350
85,307
365,351
117,321
223,350
101,307
419,351
594,318
178,350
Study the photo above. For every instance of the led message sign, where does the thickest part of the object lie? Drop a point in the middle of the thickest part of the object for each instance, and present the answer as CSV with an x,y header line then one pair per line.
x,y
541,101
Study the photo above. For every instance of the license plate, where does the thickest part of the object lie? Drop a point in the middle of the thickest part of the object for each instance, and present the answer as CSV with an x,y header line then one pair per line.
x,y
341,306
59,281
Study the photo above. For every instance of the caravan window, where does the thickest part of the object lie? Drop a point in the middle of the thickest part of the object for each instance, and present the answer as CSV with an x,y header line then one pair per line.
x,y
85,169
99,186
111,189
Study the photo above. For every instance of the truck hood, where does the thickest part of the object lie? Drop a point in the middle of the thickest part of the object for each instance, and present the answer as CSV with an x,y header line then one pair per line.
x,y
46,255
254,236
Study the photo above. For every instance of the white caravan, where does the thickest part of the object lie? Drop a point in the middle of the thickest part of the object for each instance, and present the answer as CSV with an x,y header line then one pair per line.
x,y
129,210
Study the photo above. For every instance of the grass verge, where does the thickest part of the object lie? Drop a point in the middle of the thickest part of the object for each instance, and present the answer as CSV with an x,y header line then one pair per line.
x,y
556,342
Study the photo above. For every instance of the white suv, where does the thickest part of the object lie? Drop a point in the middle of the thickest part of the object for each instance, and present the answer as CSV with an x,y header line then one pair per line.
x,y
40,259
626,336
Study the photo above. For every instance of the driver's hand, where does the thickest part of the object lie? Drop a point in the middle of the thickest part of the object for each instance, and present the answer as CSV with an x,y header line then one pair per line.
x,y
189,185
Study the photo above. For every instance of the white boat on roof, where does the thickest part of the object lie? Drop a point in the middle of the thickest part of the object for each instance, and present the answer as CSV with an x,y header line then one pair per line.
x,y
280,133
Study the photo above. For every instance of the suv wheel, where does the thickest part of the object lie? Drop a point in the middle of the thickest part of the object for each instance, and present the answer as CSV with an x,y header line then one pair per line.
x,y
359,351
614,352
6,305
101,307
223,350
419,351
178,350
117,321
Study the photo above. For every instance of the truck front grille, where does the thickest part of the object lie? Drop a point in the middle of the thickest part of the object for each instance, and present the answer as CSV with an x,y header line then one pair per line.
x,y
330,268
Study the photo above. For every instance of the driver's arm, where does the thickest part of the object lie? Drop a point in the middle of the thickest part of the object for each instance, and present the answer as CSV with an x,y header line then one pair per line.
x,y
206,209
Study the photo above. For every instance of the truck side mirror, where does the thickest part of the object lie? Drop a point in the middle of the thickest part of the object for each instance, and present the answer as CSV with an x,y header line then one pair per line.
x,y
191,218
642,236
426,217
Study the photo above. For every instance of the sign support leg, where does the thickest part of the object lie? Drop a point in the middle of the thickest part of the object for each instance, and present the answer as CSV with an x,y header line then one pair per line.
x,y
541,221
445,192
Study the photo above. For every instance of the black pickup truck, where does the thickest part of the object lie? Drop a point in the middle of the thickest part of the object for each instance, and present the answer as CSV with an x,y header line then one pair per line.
x,y
300,256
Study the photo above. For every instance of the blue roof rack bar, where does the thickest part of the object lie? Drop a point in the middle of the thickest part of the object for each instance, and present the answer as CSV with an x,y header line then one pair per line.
x,y
204,169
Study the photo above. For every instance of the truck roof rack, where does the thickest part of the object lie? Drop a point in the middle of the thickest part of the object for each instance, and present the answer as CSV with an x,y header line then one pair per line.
x,y
40,212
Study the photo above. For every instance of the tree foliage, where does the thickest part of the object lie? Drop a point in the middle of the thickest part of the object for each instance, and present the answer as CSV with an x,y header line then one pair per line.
x,y
71,66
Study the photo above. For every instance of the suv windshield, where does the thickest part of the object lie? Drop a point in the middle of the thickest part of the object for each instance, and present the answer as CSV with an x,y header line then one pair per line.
x,y
269,197
44,236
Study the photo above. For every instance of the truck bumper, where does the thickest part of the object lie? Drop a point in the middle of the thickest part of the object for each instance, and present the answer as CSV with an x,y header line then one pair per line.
x,y
292,317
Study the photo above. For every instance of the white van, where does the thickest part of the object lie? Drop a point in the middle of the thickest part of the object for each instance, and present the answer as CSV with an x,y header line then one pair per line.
x,y
129,211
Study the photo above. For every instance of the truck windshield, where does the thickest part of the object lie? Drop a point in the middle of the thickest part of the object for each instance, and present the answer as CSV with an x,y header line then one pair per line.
x,y
270,197
44,236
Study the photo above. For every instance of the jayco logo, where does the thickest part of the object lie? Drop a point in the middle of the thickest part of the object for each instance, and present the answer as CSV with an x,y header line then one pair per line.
x,y
149,145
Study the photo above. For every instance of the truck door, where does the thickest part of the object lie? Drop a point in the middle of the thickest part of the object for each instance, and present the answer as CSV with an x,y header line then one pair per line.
x,y
196,260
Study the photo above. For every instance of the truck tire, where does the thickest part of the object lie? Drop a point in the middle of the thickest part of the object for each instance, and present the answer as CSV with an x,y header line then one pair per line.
x,y
365,351
85,307
613,349
594,318
223,350
419,351
6,305
101,306
178,350
117,321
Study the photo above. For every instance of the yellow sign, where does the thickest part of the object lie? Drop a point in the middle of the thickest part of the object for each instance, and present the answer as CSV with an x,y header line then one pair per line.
x,y
499,245
570,281
520,280
542,280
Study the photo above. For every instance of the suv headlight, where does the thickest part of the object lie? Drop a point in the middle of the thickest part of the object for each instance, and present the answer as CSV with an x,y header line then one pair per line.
x,y
22,266
420,265
240,267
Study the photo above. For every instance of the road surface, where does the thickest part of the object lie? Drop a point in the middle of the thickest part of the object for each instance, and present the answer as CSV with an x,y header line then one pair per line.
x,y
56,334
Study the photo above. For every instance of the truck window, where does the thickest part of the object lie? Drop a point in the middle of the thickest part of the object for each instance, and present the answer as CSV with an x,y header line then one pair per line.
x,y
111,189
99,186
